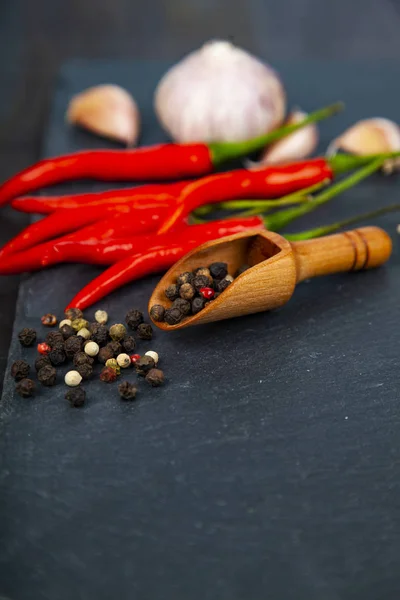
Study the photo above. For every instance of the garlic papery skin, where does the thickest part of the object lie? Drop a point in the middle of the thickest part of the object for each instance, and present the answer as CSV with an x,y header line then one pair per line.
x,y
106,110
219,93
295,146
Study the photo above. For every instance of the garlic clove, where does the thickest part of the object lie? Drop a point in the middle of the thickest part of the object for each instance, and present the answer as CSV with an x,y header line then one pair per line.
x,y
295,146
106,110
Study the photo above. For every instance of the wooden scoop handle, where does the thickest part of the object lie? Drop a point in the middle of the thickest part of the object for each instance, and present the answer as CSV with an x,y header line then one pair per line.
x,y
353,250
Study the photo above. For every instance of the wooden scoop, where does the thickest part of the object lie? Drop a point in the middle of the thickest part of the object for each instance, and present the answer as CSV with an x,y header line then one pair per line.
x,y
276,266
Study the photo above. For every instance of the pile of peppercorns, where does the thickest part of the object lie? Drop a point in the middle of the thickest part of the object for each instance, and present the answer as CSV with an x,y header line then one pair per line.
x,y
192,291
84,343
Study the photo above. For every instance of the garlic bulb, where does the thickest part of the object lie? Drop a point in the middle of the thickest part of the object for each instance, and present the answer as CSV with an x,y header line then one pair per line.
x,y
295,146
370,136
107,110
219,93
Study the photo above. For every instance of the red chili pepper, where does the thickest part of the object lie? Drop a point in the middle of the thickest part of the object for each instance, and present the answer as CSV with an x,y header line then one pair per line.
x,y
159,257
155,163
47,204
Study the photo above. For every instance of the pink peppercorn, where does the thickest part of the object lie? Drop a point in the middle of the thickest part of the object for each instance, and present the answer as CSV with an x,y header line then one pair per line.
x,y
43,348
207,293
134,358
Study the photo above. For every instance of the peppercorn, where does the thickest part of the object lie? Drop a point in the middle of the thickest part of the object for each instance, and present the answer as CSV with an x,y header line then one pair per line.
x,y
101,316
127,390
27,337
115,347
207,293
123,360
73,313
144,364
187,291
54,337
172,292
20,370
134,318
73,345
43,348
73,378
203,272
47,376
113,364
134,358
85,370
81,358
99,333
84,333
218,270
157,312
145,331
152,355
155,377
182,305
224,283
117,332
42,361
57,356
201,281
91,348
76,396
64,322
197,305
67,331
186,277
108,375
241,270
25,388
173,316
129,344
105,354
49,320
78,324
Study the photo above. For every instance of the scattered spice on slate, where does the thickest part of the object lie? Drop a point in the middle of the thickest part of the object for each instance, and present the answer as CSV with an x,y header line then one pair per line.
x,y
186,277
218,270
108,375
43,348
42,361
76,396
133,318
182,305
73,345
127,390
67,331
155,377
91,348
78,324
49,320
187,291
25,388
117,332
115,347
173,316
73,313
20,370
47,376
201,281
73,378
54,337
81,358
85,370
101,316
57,355
113,364
64,322
157,312
145,331
241,270
134,358
144,364
99,333
27,337
123,360
105,354
172,292
129,344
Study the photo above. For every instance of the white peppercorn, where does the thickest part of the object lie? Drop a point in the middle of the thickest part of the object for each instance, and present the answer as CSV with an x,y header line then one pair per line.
x,y
65,322
101,316
84,333
123,360
153,355
73,378
91,348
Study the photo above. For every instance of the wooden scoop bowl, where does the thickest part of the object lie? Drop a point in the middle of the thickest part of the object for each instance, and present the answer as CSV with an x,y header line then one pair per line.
x,y
276,266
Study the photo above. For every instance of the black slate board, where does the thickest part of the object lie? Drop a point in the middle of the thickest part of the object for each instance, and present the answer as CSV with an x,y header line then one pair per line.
x,y
269,464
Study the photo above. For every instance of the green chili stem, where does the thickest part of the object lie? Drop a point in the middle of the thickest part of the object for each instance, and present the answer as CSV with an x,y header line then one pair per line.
x,y
223,151
341,163
280,219
326,229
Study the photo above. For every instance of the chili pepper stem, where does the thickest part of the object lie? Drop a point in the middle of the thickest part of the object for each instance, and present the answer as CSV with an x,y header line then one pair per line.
x,y
326,229
280,219
341,163
223,151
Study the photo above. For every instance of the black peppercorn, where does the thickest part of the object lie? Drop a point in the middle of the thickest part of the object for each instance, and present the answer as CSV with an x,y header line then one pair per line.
x,y
218,270
57,356
73,313
81,358
54,337
157,312
173,316
76,396
115,347
127,390
182,305
155,377
25,388
202,271
105,354
172,292
85,370
224,283
27,337
99,333
134,318
198,304
129,344
47,376
67,331
201,281
20,370
241,270
144,364
42,361
145,331
73,345
187,291
186,277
